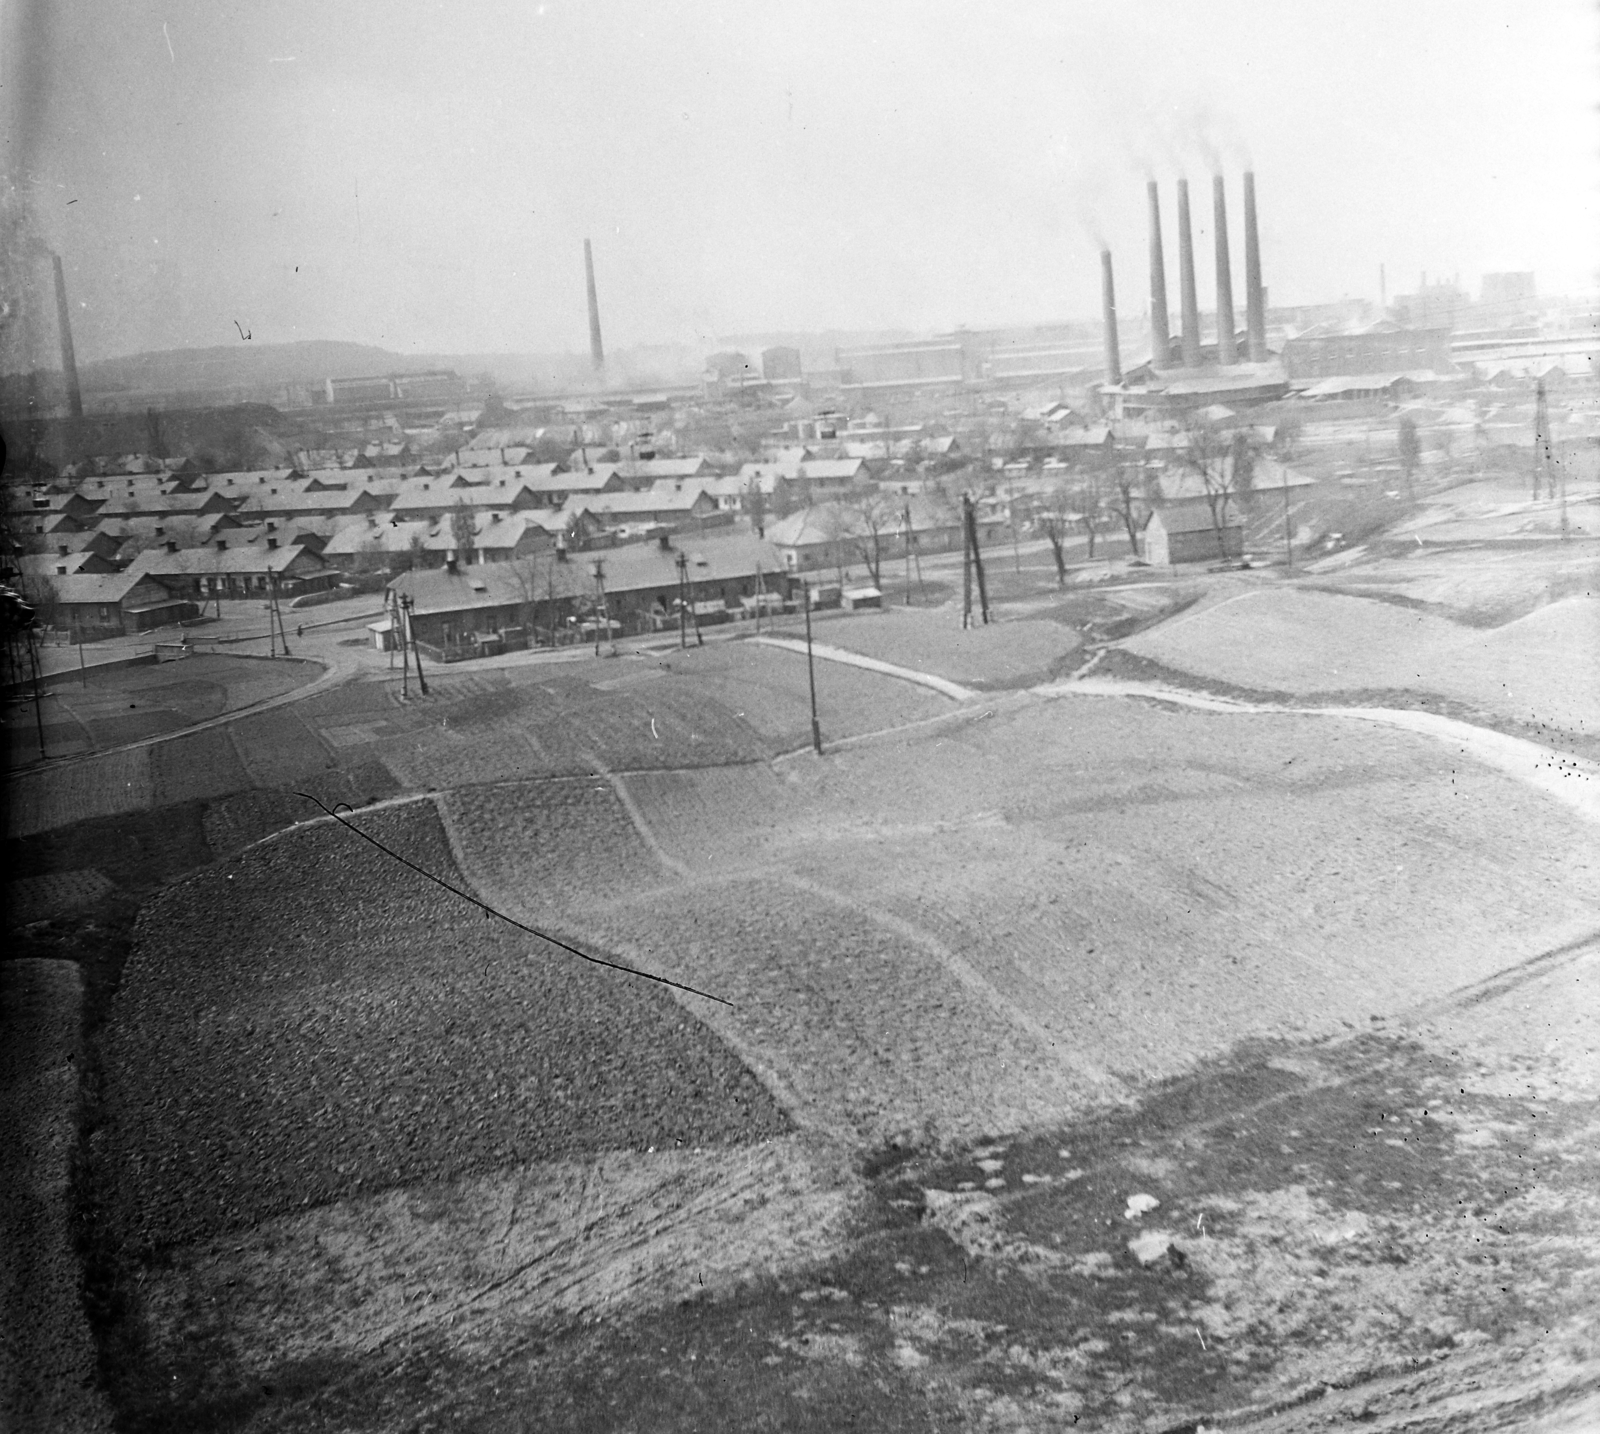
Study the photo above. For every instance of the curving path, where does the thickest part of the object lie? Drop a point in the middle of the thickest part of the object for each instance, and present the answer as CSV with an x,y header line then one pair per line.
x,y
1570,780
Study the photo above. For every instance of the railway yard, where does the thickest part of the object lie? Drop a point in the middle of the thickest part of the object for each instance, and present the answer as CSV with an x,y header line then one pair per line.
x,y
1166,1031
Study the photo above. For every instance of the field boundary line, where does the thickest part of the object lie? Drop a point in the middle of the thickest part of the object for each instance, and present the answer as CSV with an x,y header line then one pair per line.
x,y
963,717
941,685
1542,768
619,785
331,677
1105,1084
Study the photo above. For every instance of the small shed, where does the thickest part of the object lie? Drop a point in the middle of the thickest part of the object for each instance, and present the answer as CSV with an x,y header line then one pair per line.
x,y
1186,533
861,597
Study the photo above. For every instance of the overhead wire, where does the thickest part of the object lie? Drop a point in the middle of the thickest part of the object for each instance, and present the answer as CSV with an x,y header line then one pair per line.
x,y
484,906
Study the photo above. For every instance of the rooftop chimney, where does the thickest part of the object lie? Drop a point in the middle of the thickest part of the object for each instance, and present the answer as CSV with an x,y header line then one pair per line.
x,y
1190,301
1160,335
1227,349
1255,297
272,542
597,353
1108,296
69,360
222,545
172,546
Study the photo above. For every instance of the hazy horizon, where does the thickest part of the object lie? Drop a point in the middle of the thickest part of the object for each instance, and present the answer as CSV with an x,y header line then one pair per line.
x,y
422,180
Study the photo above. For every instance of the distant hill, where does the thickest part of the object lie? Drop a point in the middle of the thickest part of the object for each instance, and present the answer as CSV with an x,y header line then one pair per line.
x,y
252,365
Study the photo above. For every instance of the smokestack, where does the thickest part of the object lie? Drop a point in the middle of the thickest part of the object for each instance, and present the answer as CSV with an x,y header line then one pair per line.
x,y
69,359
1188,297
1108,294
1227,349
1160,336
1255,297
597,353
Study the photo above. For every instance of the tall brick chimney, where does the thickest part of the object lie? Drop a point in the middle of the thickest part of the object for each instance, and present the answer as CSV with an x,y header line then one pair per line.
x,y
1255,299
1108,297
597,352
1227,348
1189,299
1160,331
69,358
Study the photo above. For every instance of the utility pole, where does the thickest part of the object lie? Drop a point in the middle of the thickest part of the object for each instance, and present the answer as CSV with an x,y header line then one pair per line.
x,y
1288,545
38,698
977,558
966,565
683,600
407,604
603,617
811,676
694,611
759,597
272,581
905,524
397,634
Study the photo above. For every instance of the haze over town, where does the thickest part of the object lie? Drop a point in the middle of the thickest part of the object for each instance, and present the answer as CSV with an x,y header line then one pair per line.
x,y
421,177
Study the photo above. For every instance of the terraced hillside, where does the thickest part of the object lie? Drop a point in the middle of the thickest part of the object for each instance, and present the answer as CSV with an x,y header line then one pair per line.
x,y
366,1158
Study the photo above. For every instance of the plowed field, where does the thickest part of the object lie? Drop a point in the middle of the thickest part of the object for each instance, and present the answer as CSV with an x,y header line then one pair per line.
x,y
312,1020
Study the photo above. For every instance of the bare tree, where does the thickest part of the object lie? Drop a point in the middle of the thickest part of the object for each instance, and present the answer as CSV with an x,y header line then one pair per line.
x,y
873,518
755,504
1088,506
463,532
1209,455
1129,481
1054,519
840,527
525,571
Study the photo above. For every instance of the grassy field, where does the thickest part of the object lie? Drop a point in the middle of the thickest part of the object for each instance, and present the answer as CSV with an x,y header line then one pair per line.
x,y
108,707
1541,670
1002,654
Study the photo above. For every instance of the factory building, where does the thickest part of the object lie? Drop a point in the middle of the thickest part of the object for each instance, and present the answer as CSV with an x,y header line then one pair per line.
x,y
1182,373
780,364
1328,351
923,363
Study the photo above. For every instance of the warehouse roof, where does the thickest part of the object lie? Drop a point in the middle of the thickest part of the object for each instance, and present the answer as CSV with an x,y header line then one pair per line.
x,y
191,562
632,568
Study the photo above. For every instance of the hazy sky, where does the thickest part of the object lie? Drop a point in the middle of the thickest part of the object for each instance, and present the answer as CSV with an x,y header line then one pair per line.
x,y
421,175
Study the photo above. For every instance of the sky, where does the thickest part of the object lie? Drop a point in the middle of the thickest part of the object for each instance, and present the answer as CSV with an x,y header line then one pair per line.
x,y
422,175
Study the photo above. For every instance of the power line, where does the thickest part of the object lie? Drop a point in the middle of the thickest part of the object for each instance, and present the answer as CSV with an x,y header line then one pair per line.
x,y
510,920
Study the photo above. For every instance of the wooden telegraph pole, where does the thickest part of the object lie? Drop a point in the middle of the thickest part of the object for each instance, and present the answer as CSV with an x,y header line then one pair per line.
x,y
977,558
683,600
38,697
1288,539
966,565
407,603
398,635
272,583
811,675
602,617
